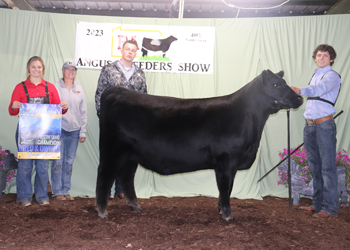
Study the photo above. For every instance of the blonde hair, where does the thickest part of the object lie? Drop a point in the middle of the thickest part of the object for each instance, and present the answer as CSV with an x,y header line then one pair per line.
x,y
33,59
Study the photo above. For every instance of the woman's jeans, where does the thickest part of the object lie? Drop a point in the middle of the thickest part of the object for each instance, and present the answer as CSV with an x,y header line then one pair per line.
x,y
61,170
320,145
24,179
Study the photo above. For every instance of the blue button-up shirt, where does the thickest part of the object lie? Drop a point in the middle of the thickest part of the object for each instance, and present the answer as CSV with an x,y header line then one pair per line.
x,y
325,84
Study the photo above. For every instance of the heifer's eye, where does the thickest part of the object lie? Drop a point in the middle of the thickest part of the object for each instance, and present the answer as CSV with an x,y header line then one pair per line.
x,y
275,85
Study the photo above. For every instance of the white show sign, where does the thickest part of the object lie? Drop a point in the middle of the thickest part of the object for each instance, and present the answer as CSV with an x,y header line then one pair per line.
x,y
178,49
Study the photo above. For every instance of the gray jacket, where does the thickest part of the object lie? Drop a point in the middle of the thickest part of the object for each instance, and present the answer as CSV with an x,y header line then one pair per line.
x,y
112,75
76,116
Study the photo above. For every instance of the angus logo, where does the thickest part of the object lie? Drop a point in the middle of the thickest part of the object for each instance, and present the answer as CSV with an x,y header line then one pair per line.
x,y
156,45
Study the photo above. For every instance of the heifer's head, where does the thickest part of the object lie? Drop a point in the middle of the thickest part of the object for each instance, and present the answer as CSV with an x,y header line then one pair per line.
x,y
277,90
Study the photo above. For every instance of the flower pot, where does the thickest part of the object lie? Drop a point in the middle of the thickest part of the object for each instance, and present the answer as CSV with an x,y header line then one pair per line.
x,y
299,187
342,183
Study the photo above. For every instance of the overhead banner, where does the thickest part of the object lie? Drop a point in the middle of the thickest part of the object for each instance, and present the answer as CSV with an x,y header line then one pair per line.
x,y
39,131
178,49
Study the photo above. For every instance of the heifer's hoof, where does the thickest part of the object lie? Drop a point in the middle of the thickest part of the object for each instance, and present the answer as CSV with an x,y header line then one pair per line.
x,y
135,206
227,218
137,209
226,215
102,215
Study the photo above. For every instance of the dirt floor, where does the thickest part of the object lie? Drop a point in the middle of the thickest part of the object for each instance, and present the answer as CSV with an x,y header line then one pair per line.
x,y
169,223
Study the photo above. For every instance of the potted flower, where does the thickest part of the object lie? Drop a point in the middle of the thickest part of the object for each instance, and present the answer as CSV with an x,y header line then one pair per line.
x,y
301,174
8,168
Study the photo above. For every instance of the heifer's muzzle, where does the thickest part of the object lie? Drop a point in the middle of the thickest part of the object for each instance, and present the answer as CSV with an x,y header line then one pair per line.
x,y
279,103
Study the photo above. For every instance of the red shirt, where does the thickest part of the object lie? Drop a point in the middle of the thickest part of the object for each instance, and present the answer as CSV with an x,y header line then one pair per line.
x,y
19,94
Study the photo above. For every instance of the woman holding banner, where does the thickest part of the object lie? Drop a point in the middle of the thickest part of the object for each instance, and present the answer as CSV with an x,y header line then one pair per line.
x,y
34,90
73,131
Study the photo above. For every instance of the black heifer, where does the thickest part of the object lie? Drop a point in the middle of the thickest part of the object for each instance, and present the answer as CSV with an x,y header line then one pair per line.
x,y
156,45
171,135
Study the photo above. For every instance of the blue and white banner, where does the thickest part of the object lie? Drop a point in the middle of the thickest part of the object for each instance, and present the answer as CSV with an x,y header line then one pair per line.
x,y
39,131
178,49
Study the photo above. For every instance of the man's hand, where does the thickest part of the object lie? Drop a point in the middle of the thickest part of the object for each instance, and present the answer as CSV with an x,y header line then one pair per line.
x,y
296,90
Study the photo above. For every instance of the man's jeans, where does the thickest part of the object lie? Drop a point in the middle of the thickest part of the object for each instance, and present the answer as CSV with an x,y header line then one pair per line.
x,y
61,170
320,145
117,188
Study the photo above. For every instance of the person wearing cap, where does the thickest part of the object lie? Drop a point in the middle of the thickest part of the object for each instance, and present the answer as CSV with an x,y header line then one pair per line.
x,y
122,73
320,132
33,90
73,131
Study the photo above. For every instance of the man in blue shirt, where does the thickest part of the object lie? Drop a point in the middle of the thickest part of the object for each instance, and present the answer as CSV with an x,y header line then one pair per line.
x,y
320,132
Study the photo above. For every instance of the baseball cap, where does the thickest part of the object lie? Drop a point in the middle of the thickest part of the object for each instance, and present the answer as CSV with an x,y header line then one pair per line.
x,y
67,65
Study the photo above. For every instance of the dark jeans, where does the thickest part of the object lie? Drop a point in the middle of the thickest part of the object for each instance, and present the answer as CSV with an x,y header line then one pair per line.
x,y
117,188
320,145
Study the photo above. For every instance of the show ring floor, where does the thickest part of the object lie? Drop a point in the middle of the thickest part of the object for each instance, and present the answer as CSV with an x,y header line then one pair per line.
x,y
169,223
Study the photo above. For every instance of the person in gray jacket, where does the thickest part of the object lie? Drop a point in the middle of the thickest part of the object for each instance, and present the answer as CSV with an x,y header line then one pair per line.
x,y
122,73
73,131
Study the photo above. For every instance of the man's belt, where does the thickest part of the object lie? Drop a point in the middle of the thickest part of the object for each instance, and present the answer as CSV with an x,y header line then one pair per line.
x,y
312,122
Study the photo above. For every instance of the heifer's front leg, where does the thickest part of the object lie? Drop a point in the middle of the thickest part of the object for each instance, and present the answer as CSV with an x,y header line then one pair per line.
x,y
224,178
225,188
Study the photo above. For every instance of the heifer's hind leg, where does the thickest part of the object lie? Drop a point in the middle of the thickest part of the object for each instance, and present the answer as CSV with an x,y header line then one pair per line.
x,y
224,178
109,166
126,179
103,186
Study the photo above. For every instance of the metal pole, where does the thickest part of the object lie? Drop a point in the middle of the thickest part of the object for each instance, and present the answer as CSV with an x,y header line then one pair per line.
x,y
181,8
171,8
289,172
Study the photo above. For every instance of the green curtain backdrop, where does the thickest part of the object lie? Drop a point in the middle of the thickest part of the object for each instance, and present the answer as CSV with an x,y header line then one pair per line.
x,y
243,48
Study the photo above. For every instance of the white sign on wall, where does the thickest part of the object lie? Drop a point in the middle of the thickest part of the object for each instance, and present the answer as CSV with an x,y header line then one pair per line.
x,y
179,49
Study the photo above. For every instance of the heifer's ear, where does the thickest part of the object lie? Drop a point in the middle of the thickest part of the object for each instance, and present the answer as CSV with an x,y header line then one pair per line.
x,y
280,74
265,73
